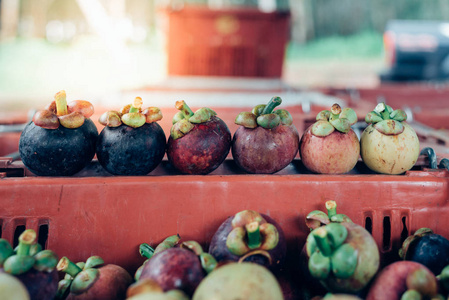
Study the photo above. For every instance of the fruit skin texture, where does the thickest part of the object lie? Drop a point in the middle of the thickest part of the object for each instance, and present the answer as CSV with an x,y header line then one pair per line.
x,y
390,283
239,281
265,151
219,250
389,154
336,153
125,150
40,285
111,285
201,150
57,152
174,268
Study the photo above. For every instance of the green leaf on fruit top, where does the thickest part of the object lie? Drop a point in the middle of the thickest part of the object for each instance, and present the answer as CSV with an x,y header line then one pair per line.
x,y
265,116
184,120
389,127
246,119
386,120
336,118
286,117
202,115
268,121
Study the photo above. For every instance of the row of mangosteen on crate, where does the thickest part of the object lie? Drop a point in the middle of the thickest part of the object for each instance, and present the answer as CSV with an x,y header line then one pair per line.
x,y
245,260
61,140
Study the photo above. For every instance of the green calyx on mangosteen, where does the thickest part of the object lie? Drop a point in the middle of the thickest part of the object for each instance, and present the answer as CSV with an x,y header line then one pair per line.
x,y
386,120
335,119
24,258
318,218
70,115
265,116
252,237
131,115
184,120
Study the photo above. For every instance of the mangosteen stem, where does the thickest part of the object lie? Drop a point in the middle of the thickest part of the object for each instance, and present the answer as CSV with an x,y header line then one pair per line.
x,y
61,103
26,239
253,233
331,207
184,108
322,241
381,109
146,250
66,266
275,101
136,105
335,112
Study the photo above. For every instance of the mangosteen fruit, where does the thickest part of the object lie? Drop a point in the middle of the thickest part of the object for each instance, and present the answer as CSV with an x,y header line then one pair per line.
x,y
330,146
180,268
199,142
31,265
388,145
404,280
148,289
267,141
427,248
60,140
132,142
243,280
92,280
11,288
252,237
342,255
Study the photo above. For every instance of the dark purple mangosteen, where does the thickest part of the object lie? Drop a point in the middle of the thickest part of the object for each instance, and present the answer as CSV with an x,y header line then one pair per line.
x,y
132,143
267,141
180,268
199,142
252,237
60,140
34,267
427,248
92,280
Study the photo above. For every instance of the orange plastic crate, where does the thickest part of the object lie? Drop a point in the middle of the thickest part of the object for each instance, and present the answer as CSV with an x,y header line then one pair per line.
x,y
227,42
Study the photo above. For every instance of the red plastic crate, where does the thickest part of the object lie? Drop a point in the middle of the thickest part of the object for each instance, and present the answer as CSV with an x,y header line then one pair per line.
x,y
226,42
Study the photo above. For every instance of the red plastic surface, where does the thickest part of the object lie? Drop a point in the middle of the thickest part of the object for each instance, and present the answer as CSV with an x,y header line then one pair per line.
x,y
229,42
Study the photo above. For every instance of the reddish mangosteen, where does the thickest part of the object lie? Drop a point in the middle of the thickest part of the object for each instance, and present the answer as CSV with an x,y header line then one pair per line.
x,y
60,140
267,141
34,267
427,248
330,146
343,256
405,280
252,237
243,280
388,145
180,268
199,142
92,280
132,143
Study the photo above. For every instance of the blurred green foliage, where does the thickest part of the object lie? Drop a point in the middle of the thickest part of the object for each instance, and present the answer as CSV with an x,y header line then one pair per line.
x,y
367,44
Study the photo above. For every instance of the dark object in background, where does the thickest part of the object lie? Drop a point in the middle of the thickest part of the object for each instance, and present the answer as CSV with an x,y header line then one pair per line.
x,y
416,50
